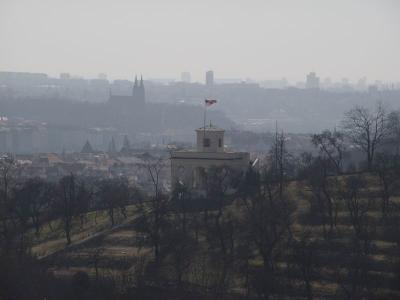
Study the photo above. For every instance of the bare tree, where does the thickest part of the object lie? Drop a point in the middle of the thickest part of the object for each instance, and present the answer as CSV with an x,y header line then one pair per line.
x,y
355,284
69,193
178,239
367,129
153,213
221,233
277,171
95,255
305,259
32,201
322,194
394,125
331,147
387,169
268,214
7,168
113,194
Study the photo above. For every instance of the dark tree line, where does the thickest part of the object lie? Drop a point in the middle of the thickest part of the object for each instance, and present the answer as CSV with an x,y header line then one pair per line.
x,y
35,202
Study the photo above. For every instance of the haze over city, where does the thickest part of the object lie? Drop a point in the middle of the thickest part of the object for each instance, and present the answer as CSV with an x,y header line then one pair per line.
x,y
240,39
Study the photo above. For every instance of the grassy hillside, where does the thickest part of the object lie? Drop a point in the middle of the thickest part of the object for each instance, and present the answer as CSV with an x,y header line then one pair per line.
x,y
126,256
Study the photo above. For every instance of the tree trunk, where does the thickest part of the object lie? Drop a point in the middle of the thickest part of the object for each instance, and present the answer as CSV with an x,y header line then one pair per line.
x,y
67,229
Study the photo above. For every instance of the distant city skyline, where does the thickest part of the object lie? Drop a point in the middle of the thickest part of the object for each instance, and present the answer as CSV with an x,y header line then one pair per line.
x,y
256,39
310,80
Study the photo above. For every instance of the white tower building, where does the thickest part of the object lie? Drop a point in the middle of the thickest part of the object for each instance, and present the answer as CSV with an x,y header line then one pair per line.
x,y
190,167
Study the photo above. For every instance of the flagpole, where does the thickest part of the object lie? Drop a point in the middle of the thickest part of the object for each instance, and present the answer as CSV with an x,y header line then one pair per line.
x,y
205,110
207,102
204,125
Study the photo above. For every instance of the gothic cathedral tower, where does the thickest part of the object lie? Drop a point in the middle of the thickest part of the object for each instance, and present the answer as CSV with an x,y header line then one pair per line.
x,y
138,93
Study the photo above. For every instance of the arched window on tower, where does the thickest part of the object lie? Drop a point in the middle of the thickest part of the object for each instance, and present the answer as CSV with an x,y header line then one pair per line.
x,y
181,174
207,142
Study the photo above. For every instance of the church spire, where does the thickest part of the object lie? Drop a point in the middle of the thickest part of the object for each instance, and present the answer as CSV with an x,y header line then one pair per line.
x,y
138,92
142,96
111,147
135,85
87,148
126,146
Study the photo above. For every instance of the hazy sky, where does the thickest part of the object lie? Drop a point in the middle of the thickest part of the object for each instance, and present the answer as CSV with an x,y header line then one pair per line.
x,y
260,39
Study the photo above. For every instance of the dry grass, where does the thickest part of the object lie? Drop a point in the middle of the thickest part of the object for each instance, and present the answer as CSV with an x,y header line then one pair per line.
x,y
119,248
52,240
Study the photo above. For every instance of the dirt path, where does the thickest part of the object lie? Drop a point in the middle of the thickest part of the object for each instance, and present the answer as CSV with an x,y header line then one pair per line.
x,y
91,238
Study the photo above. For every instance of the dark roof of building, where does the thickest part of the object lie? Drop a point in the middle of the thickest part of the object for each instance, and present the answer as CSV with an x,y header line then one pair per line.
x,y
87,148
121,98
210,128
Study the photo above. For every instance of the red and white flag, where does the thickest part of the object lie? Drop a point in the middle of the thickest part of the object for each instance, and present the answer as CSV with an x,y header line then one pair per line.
x,y
210,102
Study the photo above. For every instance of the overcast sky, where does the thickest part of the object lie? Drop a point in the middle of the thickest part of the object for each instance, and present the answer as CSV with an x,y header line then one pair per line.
x,y
260,39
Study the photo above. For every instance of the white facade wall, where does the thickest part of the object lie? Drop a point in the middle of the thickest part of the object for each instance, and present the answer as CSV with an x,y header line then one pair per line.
x,y
190,167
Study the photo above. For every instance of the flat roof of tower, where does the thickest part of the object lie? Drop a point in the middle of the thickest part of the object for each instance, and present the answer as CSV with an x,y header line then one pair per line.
x,y
193,154
210,128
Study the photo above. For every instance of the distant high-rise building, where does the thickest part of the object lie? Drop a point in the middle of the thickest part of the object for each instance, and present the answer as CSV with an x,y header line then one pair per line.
x,y
185,77
345,81
312,81
65,76
362,84
102,76
327,83
372,89
210,78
